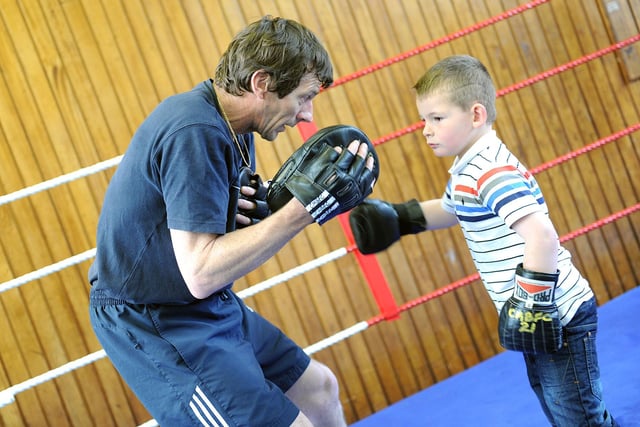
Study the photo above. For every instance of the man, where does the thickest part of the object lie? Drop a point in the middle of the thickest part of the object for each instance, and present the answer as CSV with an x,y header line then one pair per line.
x,y
177,228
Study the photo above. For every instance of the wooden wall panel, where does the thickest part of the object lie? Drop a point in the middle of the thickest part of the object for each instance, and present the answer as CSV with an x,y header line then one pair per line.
x,y
78,76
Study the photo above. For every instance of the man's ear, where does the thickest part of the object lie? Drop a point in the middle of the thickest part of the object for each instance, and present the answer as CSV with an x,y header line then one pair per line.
x,y
260,81
479,112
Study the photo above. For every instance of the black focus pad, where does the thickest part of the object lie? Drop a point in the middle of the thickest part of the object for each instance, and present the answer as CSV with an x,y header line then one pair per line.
x,y
326,182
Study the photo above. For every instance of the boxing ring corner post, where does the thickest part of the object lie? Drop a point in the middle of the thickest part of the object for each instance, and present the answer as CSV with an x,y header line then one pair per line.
x,y
378,285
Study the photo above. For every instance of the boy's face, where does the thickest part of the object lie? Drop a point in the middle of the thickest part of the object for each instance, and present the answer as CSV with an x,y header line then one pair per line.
x,y
449,129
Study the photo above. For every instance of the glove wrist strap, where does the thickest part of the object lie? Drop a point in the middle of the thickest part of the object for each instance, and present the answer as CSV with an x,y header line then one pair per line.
x,y
411,217
533,287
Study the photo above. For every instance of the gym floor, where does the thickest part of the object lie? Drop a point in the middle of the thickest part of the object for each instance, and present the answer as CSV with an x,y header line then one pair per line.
x,y
496,393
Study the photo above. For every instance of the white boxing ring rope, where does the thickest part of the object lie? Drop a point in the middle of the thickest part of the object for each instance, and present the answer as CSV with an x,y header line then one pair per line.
x,y
62,179
50,269
245,293
290,274
7,396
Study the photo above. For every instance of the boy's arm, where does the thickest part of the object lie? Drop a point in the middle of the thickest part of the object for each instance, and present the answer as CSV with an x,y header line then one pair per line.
x,y
540,242
529,320
436,216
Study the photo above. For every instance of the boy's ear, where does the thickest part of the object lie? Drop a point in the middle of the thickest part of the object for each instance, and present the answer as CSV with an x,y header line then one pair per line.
x,y
479,112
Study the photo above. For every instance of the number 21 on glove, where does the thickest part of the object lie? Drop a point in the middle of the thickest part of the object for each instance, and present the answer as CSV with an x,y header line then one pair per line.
x,y
529,320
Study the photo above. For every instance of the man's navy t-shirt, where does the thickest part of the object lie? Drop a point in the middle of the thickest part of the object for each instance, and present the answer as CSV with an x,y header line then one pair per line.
x,y
179,172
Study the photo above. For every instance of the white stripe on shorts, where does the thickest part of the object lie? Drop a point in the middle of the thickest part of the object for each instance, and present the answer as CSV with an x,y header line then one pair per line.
x,y
205,411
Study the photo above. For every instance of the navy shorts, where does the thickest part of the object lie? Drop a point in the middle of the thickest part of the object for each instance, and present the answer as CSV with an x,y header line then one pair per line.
x,y
213,362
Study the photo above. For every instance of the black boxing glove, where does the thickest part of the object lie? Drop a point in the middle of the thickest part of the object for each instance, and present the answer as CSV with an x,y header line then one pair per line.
x,y
261,210
529,320
377,224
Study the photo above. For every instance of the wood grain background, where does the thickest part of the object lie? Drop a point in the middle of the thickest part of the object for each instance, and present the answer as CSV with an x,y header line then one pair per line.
x,y
78,76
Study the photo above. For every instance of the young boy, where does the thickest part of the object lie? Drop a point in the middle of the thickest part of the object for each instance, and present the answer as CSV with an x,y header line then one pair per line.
x,y
547,309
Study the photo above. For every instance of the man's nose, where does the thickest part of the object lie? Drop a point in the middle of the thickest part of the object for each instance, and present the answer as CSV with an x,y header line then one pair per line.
x,y
306,113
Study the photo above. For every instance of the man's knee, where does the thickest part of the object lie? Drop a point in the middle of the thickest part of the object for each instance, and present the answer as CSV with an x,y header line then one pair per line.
x,y
317,394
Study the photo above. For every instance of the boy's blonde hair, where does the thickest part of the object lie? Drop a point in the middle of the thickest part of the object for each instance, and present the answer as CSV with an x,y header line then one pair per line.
x,y
464,79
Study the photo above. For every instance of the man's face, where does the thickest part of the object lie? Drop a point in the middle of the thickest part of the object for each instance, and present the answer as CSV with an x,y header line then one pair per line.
x,y
288,111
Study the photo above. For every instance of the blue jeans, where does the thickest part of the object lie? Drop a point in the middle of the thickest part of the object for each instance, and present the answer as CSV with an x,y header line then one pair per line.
x,y
567,383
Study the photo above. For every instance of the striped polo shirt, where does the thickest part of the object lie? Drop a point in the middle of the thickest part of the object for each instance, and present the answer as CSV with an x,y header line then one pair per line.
x,y
488,191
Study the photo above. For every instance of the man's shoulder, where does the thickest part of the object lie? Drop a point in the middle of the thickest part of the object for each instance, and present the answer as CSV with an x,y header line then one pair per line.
x,y
185,109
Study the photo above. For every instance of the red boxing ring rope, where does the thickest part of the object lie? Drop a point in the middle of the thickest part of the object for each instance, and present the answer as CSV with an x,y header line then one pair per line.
x,y
446,39
569,236
369,266
597,144
527,82
473,277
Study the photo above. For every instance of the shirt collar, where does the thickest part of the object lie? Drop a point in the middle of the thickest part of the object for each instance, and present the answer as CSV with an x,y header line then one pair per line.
x,y
486,141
